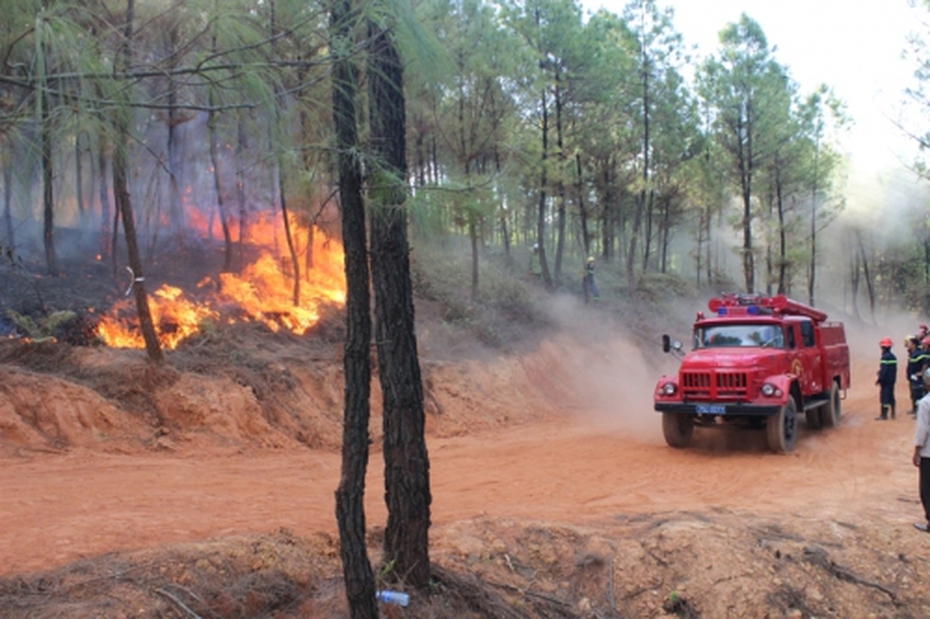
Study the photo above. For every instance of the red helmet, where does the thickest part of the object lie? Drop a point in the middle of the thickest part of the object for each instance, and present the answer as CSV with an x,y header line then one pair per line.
x,y
887,343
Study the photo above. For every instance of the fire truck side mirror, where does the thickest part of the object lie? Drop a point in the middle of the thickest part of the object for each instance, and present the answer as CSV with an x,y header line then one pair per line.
x,y
666,342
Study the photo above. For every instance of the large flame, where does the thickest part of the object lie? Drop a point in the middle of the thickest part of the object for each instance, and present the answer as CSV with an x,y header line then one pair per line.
x,y
262,291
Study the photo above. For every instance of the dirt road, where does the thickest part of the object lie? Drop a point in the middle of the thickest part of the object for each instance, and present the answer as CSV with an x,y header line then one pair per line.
x,y
577,468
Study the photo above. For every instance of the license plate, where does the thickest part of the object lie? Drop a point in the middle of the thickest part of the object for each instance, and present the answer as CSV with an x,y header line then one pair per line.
x,y
710,409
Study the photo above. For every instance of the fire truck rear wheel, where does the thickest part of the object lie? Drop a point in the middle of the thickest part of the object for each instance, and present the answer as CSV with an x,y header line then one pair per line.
x,y
831,411
677,429
782,428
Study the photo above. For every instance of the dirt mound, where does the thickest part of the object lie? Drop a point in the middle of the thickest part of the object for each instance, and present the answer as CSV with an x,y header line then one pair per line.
x,y
247,393
715,563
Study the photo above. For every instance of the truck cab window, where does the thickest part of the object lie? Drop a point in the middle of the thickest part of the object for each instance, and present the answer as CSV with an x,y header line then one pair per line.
x,y
807,334
791,342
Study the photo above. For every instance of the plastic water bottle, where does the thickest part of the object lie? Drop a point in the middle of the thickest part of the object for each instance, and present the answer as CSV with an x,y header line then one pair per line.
x,y
393,597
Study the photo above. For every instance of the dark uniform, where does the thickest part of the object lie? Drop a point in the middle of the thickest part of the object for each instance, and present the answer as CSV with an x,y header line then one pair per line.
x,y
917,361
887,374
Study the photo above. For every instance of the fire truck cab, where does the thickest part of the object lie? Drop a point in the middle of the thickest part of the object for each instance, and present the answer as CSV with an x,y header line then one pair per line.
x,y
756,362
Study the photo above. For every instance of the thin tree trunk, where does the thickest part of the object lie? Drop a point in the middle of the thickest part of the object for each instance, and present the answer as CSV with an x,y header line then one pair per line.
x,y
582,208
664,234
105,242
241,147
48,200
124,204
79,176
473,238
217,186
541,208
782,236
560,214
868,278
289,237
350,495
406,463
746,172
10,244
647,233
812,269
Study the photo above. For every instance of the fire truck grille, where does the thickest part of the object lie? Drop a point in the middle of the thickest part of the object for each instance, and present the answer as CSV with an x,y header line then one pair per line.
x,y
713,385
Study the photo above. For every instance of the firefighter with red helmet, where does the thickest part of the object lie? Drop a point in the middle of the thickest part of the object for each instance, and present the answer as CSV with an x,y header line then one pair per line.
x,y
887,374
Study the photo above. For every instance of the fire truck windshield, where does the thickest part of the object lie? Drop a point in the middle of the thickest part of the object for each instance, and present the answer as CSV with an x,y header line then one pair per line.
x,y
739,336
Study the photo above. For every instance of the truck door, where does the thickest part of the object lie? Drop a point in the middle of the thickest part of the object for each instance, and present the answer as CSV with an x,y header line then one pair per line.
x,y
812,372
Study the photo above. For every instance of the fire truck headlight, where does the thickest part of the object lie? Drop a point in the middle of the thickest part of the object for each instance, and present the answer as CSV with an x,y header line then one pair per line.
x,y
668,389
769,390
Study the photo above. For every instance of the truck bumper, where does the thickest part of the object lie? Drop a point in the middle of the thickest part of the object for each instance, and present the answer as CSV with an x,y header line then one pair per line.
x,y
716,408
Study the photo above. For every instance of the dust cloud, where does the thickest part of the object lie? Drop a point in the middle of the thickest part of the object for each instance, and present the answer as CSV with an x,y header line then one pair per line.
x,y
609,371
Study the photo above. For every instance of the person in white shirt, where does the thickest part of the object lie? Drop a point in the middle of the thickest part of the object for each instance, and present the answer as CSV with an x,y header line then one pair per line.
x,y
922,454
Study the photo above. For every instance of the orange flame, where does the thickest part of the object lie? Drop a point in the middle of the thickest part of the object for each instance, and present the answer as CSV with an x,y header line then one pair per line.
x,y
263,291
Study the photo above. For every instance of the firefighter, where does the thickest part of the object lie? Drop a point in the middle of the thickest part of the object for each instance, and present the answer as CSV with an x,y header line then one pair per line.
x,y
887,374
915,370
590,288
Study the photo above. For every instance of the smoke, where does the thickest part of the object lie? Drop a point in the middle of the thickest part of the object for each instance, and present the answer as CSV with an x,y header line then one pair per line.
x,y
610,373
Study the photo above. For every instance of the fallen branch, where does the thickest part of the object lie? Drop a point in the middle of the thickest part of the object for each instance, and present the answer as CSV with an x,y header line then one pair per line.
x,y
180,604
818,556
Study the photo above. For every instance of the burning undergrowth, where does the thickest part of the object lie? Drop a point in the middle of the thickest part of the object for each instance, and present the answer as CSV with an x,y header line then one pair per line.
x,y
195,285
274,289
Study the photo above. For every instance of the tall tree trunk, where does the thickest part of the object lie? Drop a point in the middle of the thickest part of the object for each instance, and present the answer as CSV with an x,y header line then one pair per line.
x,y
217,183
289,237
79,176
582,207
124,204
406,463
664,234
635,232
106,231
647,233
746,173
10,240
473,238
241,147
541,208
782,236
868,277
350,495
812,269
854,275
643,202
48,199
218,187
560,210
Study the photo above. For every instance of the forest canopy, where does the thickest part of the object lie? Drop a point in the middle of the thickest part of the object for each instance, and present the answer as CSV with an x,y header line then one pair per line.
x,y
528,125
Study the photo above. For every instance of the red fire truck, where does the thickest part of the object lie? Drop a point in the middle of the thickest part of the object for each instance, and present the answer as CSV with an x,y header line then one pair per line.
x,y
756,362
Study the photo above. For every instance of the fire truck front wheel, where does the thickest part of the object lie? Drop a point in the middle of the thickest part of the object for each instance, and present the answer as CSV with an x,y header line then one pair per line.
x,y
677,429
782,428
